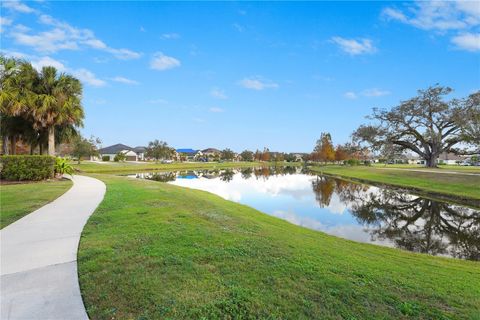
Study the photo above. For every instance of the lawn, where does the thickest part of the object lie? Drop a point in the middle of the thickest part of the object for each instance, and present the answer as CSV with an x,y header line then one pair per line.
x,y
109,167
448,167
18,200
463,187
157,251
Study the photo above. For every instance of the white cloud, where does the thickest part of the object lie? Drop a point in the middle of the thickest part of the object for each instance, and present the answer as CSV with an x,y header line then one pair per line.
x,y
256,83
124,80
170,36
218,94
452,18
467,41
355,47
216,110
350,95
47,61
375,92
162,62
438,15
4,22
88,77
63,36
38,63
18,6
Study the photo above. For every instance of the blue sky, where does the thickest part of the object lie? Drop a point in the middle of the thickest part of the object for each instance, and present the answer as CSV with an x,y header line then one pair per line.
x,y
242,74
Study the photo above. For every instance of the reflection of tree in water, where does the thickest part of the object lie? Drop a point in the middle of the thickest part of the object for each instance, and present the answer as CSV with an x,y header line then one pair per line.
x,y
162,176
323,188
410,222
262,172
419,224
227,175
247,173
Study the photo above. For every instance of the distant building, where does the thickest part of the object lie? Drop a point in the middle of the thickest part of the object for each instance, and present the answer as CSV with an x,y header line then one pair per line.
x,y
187,154
211,154
131,154
450,158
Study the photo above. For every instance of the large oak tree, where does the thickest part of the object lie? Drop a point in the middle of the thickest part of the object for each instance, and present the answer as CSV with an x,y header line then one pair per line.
x,y
427,125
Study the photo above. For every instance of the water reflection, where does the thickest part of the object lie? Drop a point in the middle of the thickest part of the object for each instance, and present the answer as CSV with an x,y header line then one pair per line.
x,y
349,210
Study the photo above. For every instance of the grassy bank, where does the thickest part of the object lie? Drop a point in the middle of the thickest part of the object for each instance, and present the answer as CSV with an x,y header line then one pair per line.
x,y
157,251
457,185
108,167
18,200
440,168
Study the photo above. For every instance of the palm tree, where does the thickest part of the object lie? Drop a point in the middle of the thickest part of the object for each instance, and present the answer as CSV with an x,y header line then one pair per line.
x,y
58,103
17,79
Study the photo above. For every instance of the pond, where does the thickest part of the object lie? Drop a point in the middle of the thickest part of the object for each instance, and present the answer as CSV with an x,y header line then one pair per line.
x,y
359,212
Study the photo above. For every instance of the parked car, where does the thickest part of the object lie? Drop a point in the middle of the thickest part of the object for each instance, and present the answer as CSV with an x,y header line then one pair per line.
x,y
167,161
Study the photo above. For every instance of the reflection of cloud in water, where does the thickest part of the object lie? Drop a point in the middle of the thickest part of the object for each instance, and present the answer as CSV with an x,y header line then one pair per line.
x,y
347,231
297,186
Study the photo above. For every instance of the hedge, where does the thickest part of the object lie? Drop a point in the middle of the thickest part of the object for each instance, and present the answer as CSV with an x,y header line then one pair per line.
x,y
26,167
105,158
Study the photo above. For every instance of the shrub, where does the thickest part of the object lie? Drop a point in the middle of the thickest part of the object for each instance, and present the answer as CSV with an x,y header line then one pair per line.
x,y
26,167
352,162
105,158
119,157
63,167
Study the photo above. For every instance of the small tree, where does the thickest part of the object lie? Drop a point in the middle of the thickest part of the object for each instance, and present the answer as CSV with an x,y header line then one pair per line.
x,y
83,147
324,150
227,155
158,150
340,153
247,155
265,155
120,156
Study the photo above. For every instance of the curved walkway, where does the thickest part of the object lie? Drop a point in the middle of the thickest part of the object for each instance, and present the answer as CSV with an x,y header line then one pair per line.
x,y
39,256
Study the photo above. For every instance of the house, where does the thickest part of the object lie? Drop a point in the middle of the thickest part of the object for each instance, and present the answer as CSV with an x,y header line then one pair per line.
x,y
450,158
187,154
131,154
211,154
140,151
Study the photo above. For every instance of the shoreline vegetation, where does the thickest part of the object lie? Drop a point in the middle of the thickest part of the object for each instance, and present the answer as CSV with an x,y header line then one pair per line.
x,y
154,250
113,167
446,186
33,195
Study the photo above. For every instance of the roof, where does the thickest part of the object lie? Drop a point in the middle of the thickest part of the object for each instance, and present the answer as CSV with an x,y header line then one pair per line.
x,y
116,148
211,150
139,149
186,151
450,156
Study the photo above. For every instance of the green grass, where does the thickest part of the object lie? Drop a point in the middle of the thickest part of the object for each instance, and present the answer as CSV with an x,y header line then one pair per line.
x,y
109,167
157,251
18,200
456,168
457,185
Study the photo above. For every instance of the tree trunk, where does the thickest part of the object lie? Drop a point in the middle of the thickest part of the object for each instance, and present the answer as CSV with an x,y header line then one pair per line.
x,y
51,141
432,161
13,145
5,144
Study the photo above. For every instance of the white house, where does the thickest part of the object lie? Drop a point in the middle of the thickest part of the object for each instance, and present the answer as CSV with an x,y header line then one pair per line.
x,y
131,154
450,158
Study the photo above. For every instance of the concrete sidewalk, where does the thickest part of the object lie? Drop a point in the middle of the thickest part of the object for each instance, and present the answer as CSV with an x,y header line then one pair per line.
x,y
39,256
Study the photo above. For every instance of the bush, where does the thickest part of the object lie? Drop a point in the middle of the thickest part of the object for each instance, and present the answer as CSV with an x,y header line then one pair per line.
x,y
27,167
352,162
63,167
105,158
